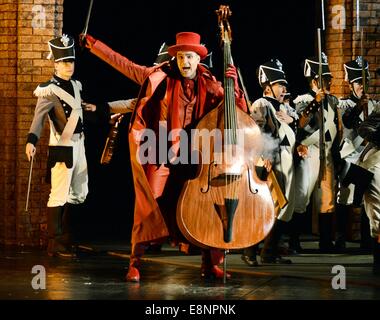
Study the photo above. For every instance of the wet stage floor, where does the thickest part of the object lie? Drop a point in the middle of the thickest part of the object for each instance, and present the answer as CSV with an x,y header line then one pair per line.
x,y
99,270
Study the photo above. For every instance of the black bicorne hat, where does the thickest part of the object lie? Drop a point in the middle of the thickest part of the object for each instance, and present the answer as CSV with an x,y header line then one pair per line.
x,y
353,70
271,72
311,67
163,54
207,62
61,48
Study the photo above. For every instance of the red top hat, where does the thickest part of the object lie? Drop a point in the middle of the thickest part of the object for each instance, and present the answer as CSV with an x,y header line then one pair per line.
x,y
188,41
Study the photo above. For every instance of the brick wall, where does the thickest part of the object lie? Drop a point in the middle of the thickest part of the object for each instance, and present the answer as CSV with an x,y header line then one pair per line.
x,y
8,100
343,45
25,28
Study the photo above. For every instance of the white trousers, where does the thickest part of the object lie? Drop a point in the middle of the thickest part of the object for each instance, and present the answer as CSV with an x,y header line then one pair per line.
x,y
70,185
307,174
372,198
345,195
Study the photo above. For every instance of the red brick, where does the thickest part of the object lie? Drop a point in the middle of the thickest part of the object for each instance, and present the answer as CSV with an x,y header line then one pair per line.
x,y
25,31
29,70
43,63
24,77
10,23
9,11
29,55
40,79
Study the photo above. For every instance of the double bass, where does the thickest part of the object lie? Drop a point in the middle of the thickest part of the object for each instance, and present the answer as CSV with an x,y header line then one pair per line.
x,y
226,205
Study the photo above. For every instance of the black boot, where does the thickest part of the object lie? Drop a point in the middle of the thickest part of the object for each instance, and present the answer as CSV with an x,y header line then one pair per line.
x,y
295,228
269,253
56,244
325,233
249,255
69,218
376,257
342,212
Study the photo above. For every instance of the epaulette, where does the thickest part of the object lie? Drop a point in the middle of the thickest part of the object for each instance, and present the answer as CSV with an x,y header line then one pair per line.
x,y
44,89
79,84
376,105
345,103
261,102
304,98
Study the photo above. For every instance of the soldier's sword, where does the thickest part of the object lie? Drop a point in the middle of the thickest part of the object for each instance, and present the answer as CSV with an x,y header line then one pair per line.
x,y
29,182
84,32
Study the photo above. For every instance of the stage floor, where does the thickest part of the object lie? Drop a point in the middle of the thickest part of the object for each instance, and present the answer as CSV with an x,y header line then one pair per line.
x,y
99,270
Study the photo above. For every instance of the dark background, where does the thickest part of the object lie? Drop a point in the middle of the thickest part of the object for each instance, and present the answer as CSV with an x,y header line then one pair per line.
x,y
261,30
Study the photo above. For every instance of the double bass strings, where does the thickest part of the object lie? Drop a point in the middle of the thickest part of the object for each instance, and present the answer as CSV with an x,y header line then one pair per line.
x,y
231,179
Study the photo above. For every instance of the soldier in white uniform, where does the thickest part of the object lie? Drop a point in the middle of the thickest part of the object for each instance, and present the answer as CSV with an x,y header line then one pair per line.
x,y
274,119
308,169
354,108
369,161
60,100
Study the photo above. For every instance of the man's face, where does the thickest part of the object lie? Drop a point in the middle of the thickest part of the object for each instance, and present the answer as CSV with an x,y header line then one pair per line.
x,y
279,90
187,62
326,83
357,88
64,69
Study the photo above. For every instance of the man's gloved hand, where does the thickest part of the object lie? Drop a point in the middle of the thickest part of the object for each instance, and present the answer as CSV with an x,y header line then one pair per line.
x,y
363,102
117,117
302,151
319,95
85,40
232,73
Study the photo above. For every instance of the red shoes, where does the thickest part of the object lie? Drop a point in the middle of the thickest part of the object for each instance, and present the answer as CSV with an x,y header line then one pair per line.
x,y
133,274
213,272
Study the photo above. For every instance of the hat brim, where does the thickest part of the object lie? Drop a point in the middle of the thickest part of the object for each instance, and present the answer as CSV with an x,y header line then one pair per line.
x,y
201,50
65,59
279,81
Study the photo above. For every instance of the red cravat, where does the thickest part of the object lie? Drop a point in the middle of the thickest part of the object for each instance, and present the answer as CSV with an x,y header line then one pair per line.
x,y
189,88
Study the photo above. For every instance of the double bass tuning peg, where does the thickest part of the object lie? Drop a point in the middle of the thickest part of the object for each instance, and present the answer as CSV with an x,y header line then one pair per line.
x,y
223,14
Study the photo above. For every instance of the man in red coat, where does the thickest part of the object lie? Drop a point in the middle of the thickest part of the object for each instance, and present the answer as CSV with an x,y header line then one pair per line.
x,y
177,93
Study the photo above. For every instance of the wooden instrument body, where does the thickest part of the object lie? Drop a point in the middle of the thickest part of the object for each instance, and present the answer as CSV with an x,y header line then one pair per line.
x,y
197,215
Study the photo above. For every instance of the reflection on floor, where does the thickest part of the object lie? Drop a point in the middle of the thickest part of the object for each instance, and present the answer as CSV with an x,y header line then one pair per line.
x,y
98,273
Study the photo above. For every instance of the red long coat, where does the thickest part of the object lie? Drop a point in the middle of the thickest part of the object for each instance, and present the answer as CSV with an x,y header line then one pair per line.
x,y
149,223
